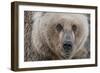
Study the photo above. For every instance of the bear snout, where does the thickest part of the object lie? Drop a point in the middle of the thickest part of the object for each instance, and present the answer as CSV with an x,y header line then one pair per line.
x,y
67,46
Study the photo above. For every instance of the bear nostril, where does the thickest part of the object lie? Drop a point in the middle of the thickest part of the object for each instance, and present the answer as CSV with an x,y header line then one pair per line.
x,y
67,46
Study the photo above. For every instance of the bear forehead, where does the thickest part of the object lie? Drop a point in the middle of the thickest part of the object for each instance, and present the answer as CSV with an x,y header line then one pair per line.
x,y
52,19
66,16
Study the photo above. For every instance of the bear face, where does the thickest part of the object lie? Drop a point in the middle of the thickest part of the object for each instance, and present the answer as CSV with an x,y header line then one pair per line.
x,y
63,34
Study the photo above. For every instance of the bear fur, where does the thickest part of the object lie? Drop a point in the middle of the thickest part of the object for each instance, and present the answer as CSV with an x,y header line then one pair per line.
x,y
50,30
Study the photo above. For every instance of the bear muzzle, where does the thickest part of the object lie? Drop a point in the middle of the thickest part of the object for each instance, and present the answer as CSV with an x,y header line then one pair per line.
x,y
67,46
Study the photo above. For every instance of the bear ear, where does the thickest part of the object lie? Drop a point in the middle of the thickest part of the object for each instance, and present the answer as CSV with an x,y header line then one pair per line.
x,y
37,15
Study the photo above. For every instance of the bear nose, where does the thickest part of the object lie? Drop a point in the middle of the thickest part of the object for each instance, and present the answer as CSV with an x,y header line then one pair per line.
x,y
67,45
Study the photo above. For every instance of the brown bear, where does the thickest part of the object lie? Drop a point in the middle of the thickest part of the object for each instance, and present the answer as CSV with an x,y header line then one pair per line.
x,y
57,36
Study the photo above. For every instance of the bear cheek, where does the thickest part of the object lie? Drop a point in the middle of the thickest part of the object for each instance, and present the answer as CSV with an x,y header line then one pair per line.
x,y
53,39
78,36
57,41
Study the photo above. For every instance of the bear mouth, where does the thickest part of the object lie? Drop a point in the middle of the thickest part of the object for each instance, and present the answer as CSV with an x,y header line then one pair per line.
x,y
67,54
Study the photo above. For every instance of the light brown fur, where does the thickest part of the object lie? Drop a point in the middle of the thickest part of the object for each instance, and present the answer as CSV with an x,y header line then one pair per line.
x,y
46,42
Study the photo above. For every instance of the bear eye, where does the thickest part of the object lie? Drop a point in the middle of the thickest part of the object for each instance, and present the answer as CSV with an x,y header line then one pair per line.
x,y
59,27
74,27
